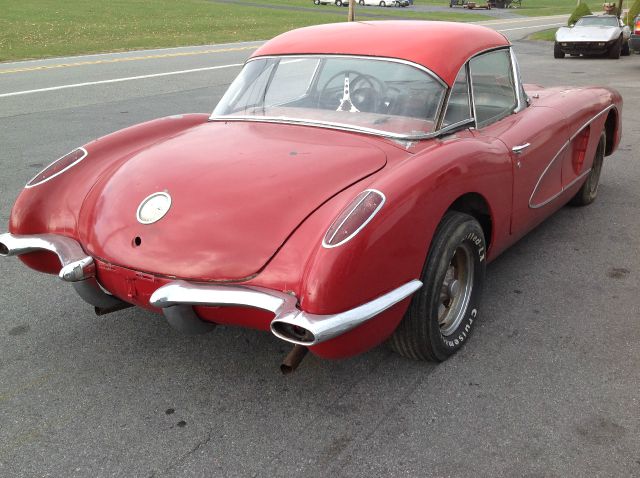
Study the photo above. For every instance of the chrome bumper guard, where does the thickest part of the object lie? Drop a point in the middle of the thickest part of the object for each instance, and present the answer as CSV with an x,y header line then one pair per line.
x,y
76,266
290,323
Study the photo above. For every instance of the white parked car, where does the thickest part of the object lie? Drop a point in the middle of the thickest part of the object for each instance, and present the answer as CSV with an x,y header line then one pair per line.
x,y
593,35
380,3
337,3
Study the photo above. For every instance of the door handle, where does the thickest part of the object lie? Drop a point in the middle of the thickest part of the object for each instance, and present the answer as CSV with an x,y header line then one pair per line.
x,y
520,148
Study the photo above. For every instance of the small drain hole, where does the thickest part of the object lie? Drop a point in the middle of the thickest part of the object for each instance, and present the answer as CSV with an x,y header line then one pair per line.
x,y
137,241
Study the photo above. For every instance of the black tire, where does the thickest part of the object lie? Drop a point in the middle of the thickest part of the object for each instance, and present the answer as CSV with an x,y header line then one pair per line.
x,y
625,49
316,2
453,275
383,4
589,189
361,2
616,49
557,51
338,3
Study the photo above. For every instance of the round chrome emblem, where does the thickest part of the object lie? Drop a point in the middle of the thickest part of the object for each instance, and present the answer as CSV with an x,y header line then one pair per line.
x,y
153,208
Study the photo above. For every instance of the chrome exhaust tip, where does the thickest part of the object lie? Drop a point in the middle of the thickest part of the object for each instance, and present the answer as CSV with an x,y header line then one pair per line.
x,y
306,329
293,333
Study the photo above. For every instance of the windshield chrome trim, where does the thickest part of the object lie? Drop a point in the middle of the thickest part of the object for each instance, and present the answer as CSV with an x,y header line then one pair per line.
x,y
522,101
472,115
342,126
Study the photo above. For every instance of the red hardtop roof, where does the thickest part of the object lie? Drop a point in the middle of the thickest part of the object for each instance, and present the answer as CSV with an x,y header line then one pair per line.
x,y
442,47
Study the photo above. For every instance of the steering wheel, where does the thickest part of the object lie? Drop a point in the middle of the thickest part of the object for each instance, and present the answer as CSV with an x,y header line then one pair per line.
x,y
364,98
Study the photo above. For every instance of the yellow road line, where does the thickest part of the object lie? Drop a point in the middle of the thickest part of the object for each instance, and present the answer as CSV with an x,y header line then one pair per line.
x,y
131,58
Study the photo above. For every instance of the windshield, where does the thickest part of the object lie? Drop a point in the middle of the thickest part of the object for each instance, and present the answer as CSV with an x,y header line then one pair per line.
x,y
597,22
372,95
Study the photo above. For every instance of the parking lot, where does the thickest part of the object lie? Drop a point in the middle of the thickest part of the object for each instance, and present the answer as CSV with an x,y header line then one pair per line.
x,y
548,386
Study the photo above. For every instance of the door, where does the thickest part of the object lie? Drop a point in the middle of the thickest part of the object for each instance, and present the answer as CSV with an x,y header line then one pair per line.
x,y
534,136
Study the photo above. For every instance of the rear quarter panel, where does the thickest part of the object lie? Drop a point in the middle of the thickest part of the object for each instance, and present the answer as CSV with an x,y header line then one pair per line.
x,y
391,250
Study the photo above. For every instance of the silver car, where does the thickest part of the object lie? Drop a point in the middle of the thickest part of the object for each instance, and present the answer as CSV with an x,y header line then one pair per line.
x,y
593,35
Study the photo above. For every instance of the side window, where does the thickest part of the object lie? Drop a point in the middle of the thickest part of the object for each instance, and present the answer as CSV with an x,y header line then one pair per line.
x,y
459,105
493,86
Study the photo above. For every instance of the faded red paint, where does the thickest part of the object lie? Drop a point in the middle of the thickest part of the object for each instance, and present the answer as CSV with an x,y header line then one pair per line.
x,y
252,201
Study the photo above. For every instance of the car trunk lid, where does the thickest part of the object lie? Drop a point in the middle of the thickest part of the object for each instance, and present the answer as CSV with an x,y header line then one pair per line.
x,y
238,190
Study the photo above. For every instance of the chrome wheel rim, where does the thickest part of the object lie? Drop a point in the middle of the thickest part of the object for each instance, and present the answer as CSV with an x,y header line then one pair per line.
x,y
455,292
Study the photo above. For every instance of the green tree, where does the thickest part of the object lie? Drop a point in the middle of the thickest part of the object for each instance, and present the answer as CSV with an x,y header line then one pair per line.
x,y
634,11
581,10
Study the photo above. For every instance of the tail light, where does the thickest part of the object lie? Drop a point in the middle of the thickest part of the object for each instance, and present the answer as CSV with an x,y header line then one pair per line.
x,y
636,28
354,218
58,167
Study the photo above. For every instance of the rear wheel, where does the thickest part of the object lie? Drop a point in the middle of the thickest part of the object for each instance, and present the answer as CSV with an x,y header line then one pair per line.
x,y
589,190
616,49
316,2
361,2
383,4
442,313
557,51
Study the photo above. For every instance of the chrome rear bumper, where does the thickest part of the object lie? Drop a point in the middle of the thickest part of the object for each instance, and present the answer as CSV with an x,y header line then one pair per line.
x,y
290,323
178,298
75,265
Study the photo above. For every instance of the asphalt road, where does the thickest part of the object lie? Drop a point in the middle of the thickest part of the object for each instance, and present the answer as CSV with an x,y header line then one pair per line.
x,y
548,386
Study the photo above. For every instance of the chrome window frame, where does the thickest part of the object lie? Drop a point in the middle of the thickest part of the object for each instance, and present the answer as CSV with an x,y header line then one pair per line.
x,y
443,129
341,126
522,100
521,95
521,103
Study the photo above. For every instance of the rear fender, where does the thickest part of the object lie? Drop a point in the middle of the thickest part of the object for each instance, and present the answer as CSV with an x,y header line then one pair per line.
x,y
54,206
391,250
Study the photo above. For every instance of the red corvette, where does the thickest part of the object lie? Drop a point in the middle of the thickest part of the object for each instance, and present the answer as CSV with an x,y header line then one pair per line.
x,y
348,188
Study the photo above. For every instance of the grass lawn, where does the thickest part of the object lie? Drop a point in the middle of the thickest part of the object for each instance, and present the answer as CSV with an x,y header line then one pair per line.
x,y
44,28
